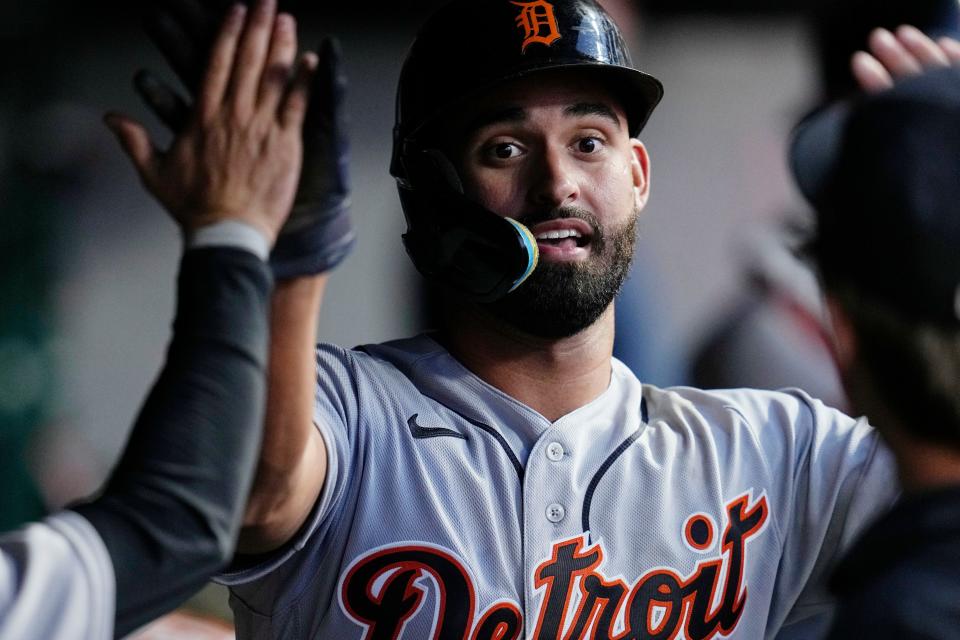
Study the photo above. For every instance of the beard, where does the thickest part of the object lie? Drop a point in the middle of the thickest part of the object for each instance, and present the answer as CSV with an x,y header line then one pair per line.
x,y
559,300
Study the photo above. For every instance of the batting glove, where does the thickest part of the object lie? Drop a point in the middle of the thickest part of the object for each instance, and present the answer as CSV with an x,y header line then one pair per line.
x,y
319,233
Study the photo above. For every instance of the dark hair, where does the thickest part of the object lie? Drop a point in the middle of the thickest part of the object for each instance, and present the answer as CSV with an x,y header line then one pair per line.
x,y
914,365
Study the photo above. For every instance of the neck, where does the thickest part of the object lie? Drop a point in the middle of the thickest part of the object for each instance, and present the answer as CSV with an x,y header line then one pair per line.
x,y
551,376
921,465
924,466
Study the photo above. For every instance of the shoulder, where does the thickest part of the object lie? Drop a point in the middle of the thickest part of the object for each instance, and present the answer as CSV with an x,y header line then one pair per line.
x,y
395,354
348,367
788,411
786,427
381,376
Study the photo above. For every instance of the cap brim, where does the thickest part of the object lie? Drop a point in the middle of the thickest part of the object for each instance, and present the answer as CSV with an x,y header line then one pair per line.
x,y
815,149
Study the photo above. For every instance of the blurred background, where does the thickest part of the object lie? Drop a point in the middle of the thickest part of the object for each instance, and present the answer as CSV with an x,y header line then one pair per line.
x,y
88,261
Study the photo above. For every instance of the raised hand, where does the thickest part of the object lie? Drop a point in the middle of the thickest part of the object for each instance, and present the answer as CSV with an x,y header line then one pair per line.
x,y
319,232
239,152
904,52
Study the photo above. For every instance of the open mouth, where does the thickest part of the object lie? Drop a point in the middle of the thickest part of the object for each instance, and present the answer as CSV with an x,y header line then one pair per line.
x,y
562,238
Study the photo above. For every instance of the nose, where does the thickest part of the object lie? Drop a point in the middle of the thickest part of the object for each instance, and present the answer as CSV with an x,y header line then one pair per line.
x,y
553,184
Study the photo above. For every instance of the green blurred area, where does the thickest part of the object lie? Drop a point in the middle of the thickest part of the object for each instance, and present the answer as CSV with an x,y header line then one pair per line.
x,y
27,372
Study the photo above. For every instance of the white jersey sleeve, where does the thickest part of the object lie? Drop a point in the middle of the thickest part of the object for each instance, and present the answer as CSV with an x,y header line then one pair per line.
x,y
56,581
840,486
829,477
257,588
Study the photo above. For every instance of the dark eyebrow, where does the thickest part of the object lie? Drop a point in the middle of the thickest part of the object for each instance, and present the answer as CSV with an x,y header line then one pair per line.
x,y
592,109
514,114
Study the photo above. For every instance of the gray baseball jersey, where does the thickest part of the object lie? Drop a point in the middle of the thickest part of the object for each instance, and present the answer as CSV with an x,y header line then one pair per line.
x,y
453,511
56,581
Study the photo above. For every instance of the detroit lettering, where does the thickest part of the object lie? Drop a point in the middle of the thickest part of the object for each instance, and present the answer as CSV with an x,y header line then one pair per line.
x,y
380,591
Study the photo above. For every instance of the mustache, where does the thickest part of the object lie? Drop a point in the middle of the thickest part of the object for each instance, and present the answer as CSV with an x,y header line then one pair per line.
x,y
559,213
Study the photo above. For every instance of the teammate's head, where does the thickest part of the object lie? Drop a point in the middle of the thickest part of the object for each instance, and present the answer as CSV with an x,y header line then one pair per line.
x,y
470,62
884,176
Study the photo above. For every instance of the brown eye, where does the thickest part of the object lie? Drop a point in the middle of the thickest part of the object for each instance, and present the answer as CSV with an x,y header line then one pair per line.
x,y
588,145
505,150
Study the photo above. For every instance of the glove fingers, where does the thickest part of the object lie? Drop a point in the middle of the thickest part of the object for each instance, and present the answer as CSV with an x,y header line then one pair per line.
x,y
324,130
184,55
319,232
166,104
329,87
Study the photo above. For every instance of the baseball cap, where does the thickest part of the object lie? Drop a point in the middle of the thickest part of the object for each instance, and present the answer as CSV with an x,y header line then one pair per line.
x,y
883,174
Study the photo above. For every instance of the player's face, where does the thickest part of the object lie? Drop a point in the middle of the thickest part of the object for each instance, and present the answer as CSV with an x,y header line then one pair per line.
x,y
556,155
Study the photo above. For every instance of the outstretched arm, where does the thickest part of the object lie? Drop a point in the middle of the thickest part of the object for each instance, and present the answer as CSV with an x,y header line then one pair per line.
x,y
317,236
170,513
293,459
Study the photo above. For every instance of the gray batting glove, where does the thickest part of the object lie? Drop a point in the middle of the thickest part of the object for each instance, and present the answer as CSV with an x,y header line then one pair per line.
x,y
319,233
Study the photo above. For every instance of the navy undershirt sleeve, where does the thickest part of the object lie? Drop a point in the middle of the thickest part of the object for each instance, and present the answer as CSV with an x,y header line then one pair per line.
x,y
171,509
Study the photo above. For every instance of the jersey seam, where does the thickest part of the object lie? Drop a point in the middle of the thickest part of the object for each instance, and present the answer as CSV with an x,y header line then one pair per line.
x,y
494,433
781,540
601,472
862,472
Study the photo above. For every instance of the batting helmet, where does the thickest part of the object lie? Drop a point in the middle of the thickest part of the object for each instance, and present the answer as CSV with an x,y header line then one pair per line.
x,y
465,49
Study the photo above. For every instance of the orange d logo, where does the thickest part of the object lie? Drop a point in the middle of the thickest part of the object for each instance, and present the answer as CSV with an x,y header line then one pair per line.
x,y
538,22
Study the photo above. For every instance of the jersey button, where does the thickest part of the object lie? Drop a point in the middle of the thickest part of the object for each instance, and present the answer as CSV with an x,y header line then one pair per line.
x,y
555,512
555,451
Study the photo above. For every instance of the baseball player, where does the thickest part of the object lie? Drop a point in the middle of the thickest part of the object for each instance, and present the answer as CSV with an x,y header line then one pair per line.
x,y
882,173
505,477
169,515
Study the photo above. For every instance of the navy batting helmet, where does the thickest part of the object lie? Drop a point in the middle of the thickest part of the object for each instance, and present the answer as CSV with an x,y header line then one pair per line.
x,y
466,48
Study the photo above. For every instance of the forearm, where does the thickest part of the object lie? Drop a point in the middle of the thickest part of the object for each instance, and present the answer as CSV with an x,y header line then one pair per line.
x,y
172,508
292,463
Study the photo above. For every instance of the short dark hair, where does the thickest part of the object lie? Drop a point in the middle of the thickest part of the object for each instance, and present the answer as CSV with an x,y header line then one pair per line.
x,y
914,366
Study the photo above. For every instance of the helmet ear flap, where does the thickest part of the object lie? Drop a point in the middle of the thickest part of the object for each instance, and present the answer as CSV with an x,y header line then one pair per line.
x,y
445,169
455,241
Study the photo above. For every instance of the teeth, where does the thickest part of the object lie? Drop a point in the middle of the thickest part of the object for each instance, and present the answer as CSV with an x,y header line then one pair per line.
x,y
558,235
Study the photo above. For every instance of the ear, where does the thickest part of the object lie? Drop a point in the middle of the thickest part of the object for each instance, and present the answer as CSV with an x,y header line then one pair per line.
x,y
640,167
844,335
